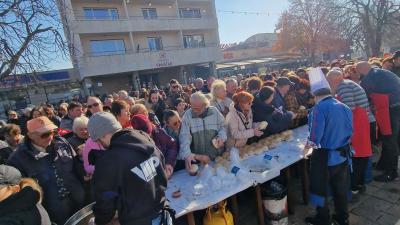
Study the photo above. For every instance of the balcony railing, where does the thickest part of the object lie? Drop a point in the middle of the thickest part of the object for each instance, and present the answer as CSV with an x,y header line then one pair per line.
x,y
142,50
137,61
140,24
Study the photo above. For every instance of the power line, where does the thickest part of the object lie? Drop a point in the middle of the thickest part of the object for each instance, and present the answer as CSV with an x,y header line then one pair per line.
x,y
245,12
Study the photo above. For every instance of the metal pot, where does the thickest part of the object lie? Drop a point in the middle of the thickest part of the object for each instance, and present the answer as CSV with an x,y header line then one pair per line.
x,y
81,217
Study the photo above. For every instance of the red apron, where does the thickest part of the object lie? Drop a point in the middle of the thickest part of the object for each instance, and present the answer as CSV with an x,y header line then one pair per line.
x,y
361,140
381,103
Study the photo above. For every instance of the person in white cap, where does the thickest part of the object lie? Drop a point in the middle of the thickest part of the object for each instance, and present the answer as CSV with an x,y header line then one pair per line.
x,y
330,126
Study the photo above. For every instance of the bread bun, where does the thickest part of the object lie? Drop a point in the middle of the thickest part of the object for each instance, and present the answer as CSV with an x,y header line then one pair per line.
x,y
193,170
262,125
177,194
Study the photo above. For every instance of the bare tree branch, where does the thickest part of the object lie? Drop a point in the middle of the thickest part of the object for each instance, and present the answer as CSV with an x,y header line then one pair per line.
x,y
31,35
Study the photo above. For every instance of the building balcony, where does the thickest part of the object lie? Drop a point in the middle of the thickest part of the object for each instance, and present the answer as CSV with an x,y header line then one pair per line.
x,y
139,24
136,61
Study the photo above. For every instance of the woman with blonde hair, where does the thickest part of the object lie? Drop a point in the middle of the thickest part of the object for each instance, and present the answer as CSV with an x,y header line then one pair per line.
x,y
240,120
218,97
20,199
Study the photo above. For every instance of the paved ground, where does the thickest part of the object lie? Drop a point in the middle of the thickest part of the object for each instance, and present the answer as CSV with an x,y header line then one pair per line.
x,y
379,205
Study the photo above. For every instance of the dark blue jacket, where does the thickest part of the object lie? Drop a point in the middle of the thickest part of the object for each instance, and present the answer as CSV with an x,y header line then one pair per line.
x,y
279,101
331,127
278,121
382,82
54,170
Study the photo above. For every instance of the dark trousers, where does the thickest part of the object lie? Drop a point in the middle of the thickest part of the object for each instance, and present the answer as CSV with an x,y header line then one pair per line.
x,y
390,143
339,185
373,134
359,167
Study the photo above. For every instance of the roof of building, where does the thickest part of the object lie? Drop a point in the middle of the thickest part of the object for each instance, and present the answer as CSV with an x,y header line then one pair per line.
x,y
39,77
256,41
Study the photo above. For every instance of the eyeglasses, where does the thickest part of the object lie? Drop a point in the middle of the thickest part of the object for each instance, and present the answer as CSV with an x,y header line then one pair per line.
x,y
175,86
93,105
48,134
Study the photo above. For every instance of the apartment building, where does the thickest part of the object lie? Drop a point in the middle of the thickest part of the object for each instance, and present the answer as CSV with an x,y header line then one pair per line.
x,y
132,43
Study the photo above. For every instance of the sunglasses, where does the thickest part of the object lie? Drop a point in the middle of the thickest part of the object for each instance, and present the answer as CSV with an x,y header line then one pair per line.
x,y
175,86
93,105
48,134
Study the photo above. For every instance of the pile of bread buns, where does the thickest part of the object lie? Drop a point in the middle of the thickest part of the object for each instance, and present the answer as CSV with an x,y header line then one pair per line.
x,y
264,144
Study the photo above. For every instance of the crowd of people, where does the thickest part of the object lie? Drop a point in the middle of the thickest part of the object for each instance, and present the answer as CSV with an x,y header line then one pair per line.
x,y
120,151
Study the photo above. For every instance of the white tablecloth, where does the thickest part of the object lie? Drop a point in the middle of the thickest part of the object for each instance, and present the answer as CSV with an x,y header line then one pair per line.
x,y
287,153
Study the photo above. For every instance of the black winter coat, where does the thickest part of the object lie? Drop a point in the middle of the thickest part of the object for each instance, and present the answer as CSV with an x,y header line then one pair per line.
x,y
54,171
20,208
278,120
129,178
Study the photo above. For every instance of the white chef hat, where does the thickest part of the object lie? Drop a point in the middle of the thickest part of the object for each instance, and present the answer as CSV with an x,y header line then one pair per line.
x,y
318,82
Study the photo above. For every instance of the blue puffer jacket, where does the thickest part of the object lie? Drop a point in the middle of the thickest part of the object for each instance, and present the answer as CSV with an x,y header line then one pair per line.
x,y
382,82
54,170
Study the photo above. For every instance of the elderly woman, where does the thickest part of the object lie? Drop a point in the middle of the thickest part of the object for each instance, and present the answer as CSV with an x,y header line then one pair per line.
x,y
80,133
240,121
77,141
263,110
121,110
219,99
202,133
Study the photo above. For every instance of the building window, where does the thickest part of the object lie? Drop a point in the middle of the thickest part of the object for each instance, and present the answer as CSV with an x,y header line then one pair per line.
x,y
193,41
189,13
149,13
107,47
100,14
155,44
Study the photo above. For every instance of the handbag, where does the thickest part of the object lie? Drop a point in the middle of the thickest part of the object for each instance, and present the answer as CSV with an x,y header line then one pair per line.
x,y
218,215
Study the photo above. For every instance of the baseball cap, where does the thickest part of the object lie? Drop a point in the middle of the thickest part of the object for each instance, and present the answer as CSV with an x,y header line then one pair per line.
x,y
102,123
40,124
282,81
9,176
